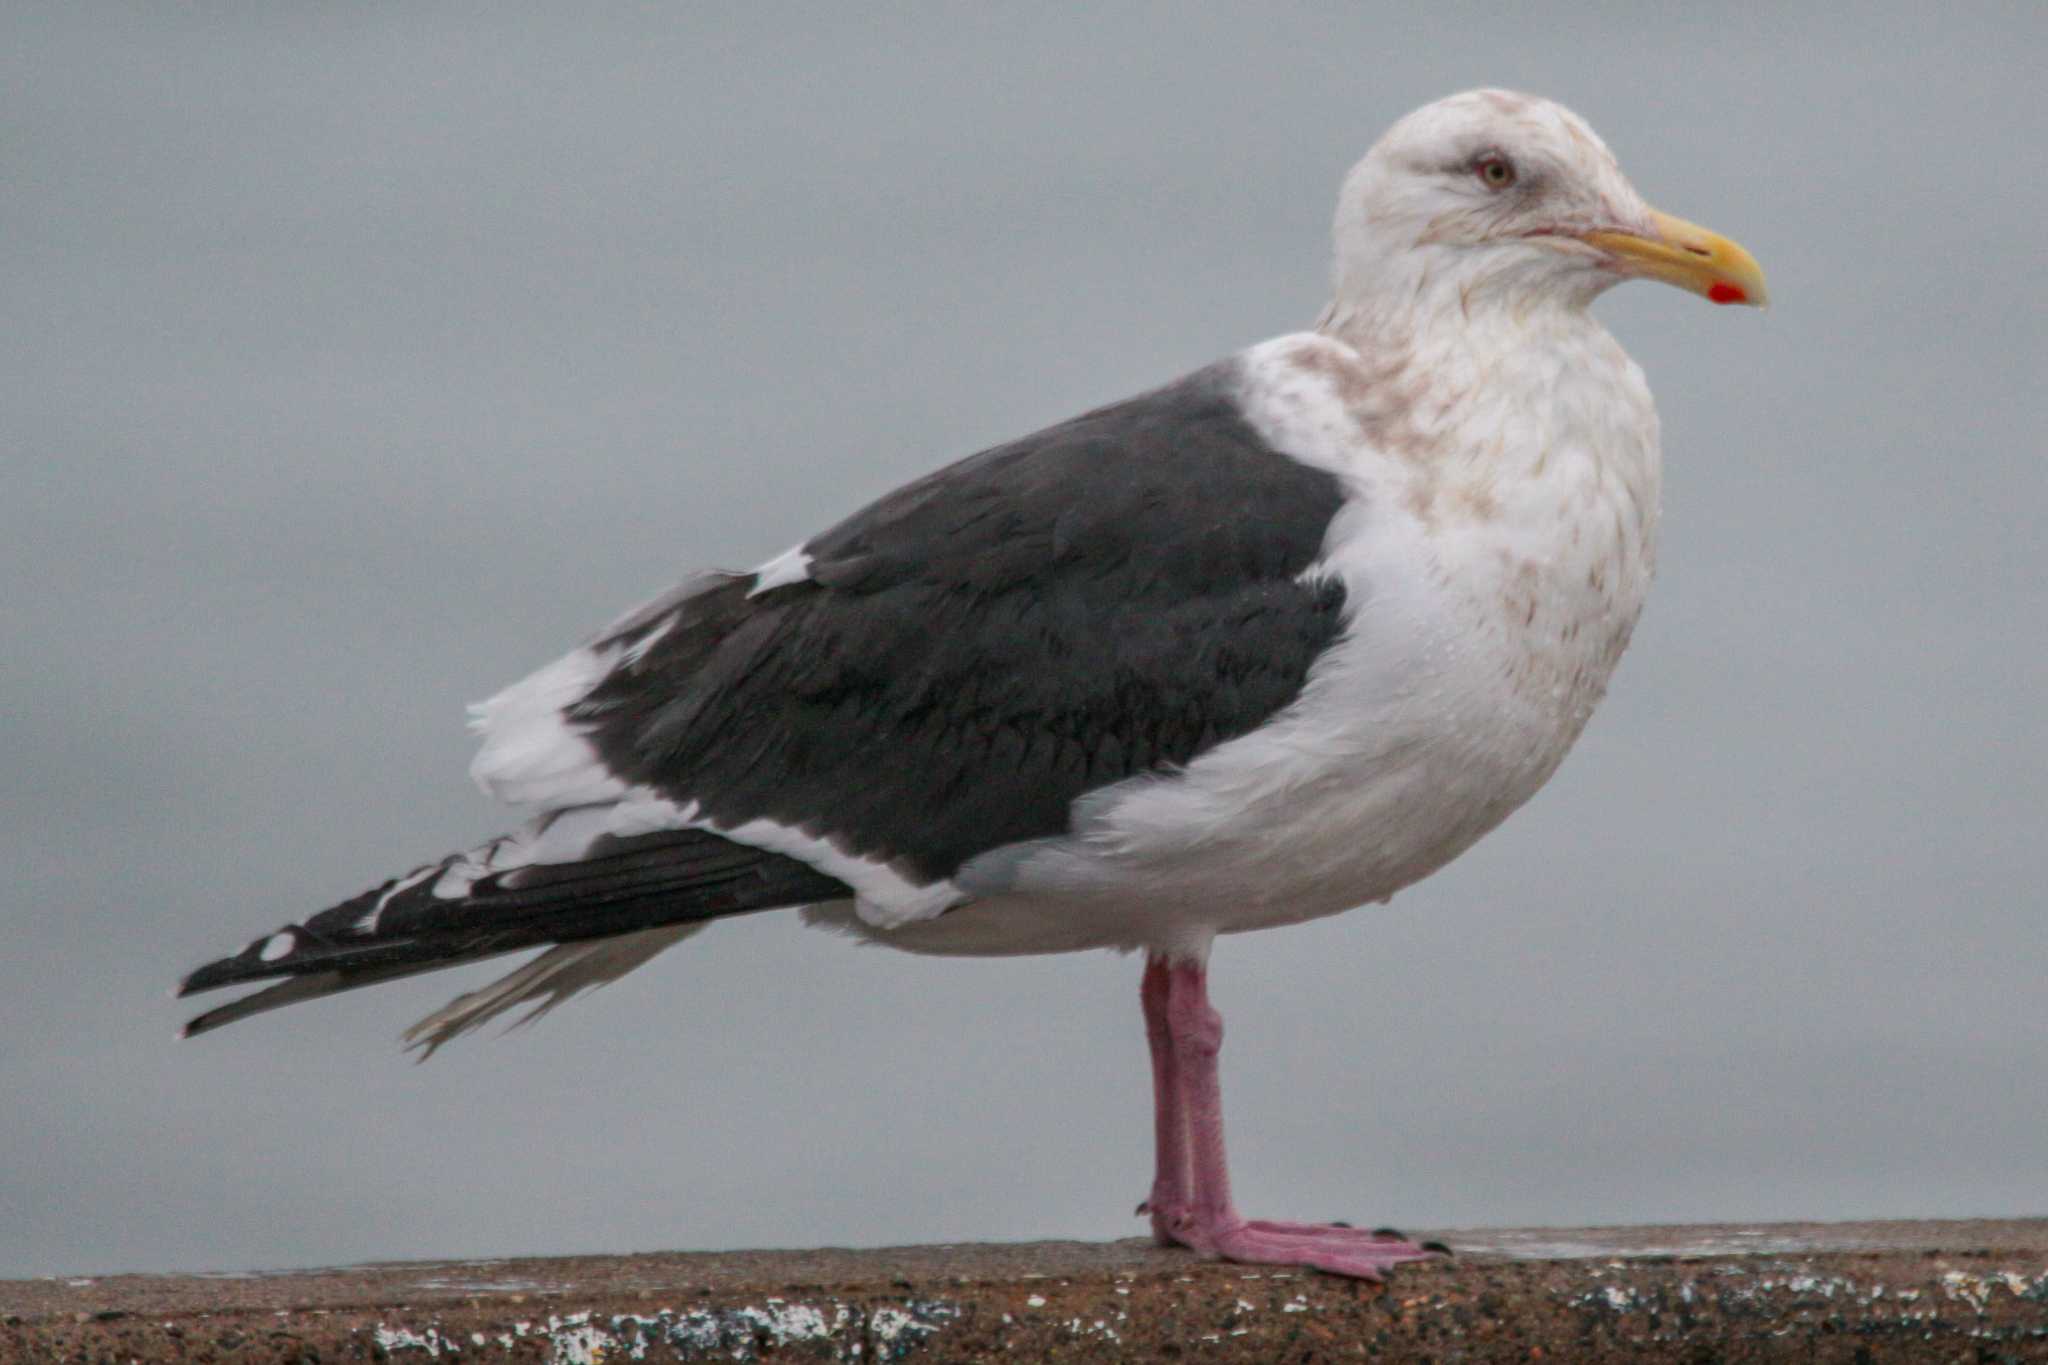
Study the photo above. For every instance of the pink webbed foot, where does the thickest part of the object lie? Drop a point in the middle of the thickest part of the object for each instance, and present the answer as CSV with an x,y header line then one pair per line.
x,y
1331,1247
1323,1246
1338,1230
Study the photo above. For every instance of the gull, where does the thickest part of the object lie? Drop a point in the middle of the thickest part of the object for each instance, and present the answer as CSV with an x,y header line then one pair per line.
x,y
1267,643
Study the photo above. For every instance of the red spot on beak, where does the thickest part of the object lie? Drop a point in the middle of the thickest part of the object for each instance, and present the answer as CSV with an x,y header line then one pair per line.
x,y
1723,292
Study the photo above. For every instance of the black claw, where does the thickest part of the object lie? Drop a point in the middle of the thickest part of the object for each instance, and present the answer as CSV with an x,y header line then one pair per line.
x,y
1394,1233
1144,1207
1339,1223
1439,1248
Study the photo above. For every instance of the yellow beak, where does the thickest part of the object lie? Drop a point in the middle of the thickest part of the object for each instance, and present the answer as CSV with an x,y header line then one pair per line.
x,y
1689,256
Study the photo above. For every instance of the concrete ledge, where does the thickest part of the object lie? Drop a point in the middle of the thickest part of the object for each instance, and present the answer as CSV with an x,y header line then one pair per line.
x,y
1853,1292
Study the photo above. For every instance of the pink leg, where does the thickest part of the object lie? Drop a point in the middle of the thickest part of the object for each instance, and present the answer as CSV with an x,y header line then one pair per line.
x,y
1168,1203
1191,1201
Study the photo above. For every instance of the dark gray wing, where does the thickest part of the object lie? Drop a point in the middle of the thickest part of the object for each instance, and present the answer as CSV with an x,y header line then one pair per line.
x,y
1108,597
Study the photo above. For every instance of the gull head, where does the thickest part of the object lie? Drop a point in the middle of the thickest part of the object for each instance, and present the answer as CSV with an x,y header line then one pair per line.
x,y
1492,197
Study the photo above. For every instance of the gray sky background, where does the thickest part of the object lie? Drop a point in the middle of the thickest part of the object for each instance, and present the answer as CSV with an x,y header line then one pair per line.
x,y
362,358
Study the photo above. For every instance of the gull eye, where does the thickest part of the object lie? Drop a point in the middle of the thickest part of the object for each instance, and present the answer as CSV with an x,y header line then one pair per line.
x,y
1495,171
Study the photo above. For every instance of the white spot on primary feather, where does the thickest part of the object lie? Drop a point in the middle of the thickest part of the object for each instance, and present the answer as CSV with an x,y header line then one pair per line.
x,y
463,873
791,566
637,651
564,836
278,945
368,923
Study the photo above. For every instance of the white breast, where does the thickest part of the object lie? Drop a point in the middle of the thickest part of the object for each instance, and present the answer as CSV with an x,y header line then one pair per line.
x,y
1497,549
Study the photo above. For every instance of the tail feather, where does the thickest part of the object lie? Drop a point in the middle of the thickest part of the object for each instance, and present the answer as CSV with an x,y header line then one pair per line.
x,y
559,974
612,906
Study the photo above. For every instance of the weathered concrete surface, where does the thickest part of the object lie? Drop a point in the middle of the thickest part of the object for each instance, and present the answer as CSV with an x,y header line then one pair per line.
x,y
1864,1292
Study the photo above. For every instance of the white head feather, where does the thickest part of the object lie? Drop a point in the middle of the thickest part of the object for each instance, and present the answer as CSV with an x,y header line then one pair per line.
x,y
1488,196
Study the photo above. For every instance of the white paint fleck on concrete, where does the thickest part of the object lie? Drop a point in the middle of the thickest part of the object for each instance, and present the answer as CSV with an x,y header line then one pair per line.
x,y
827,1330
396,1339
